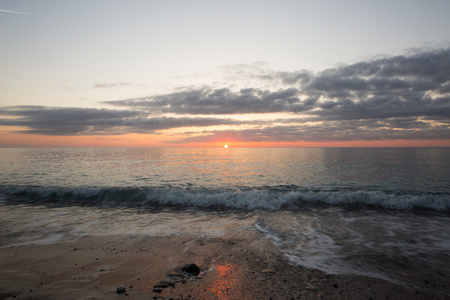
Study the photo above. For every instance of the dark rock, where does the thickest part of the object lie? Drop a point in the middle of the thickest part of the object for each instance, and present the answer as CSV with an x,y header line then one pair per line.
x,y
170,283
161,286
157,290
121,289
191,269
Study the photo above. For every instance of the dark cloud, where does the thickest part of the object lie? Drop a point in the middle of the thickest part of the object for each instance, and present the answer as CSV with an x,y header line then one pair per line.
x,y
398,86
302,77
373,130
219,101
399,97
430,65
90,121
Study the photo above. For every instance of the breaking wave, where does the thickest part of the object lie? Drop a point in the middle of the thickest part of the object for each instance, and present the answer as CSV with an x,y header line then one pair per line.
x,y
266,198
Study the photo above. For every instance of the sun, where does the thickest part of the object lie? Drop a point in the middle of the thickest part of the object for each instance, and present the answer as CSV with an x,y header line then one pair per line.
x,y
225,146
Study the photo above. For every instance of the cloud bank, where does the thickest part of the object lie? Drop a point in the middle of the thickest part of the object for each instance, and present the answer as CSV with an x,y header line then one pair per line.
x,y
404,97
400,86
91,121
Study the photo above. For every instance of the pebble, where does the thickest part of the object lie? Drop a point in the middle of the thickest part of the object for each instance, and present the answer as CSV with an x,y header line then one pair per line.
x,y
121,289
191,269
171,283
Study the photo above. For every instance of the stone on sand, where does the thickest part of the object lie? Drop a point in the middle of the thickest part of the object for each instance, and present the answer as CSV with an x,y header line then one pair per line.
x,y
192,269
121,289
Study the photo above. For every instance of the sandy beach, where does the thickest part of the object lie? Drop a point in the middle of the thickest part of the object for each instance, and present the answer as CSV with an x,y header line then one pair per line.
x,y
92,267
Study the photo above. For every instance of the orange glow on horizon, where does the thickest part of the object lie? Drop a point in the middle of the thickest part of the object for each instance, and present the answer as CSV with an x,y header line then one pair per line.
x,y
126,140
386,143
158,141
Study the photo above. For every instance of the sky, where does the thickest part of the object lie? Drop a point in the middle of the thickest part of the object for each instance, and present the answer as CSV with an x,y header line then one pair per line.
x,y
151,73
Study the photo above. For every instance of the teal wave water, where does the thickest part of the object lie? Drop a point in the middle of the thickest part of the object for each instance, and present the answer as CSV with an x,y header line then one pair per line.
x,y
411,169
397,178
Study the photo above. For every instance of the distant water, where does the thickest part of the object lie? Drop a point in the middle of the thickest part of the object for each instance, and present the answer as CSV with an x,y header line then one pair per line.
x,y
382,212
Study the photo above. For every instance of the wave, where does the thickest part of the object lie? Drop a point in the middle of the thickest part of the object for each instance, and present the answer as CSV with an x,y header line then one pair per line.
x,y
267,198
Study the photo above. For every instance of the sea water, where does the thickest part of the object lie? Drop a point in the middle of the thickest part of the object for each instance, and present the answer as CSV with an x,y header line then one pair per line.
x,y
380,212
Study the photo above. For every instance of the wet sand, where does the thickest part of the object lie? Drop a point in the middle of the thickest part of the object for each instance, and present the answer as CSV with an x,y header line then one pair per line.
x,y
241,266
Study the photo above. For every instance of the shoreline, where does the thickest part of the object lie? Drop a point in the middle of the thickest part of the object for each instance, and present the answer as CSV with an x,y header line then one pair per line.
x,y
241,266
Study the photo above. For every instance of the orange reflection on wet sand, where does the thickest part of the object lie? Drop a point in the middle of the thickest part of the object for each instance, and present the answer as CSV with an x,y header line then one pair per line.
x,y
226,286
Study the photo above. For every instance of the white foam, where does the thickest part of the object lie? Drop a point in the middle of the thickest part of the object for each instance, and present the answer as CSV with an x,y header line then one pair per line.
x,y
23,224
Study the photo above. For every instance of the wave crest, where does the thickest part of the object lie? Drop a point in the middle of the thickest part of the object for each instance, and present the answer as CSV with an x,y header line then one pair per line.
x,y
267,198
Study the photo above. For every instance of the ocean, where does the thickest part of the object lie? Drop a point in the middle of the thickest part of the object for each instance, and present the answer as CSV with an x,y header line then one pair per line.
x,y
378,212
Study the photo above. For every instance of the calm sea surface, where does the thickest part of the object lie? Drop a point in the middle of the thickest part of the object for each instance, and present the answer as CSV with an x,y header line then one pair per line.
x,y
381,212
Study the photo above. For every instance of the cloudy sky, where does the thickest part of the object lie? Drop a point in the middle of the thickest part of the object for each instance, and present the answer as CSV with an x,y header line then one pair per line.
x,y
261,73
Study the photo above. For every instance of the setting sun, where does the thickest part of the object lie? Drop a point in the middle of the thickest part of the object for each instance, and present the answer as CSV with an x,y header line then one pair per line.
x,y
225,146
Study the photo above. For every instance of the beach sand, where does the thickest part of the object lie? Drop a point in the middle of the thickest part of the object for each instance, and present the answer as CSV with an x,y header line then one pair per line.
x,y
241,266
